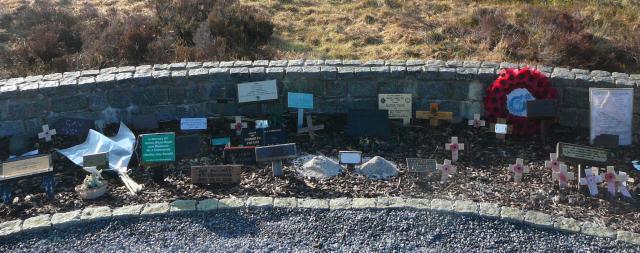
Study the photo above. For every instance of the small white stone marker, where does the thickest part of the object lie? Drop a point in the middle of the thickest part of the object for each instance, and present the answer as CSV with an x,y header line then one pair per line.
x,y
622,184
447,169
46,133
518,169
476,121
239,125
591,180
454,146
553,164
563,176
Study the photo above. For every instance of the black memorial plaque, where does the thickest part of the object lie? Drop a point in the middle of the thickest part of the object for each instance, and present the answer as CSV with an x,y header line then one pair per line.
x,y
606,141
188,145
275,152
273,137
542,108
240,155
145,122
73,127
216,174
568,152
368,123
251,138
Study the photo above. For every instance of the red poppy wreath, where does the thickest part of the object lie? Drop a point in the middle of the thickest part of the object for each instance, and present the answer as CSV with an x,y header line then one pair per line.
x,y
508,95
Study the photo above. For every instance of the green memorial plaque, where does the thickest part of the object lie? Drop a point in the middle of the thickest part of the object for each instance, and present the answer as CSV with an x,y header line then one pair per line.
x,y
158,148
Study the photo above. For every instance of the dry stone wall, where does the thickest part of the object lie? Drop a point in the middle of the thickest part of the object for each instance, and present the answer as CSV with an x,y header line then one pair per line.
x,y
204,89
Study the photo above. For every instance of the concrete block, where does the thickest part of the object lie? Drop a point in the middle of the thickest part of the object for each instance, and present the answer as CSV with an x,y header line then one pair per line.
x,y
10,227
538,219
285,202
567,224
207,205
231,203
37,223
63,220
313,203
465,207
490,210
182,205
340,203
260,202
155,209
127,211
512,214
96,213
442,205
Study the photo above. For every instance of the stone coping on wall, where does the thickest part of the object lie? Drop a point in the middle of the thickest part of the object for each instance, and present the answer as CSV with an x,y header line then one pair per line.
x,y
455,207
207,89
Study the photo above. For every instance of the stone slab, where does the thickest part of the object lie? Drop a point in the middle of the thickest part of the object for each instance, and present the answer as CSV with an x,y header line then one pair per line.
x,y
465,207
127,211
10,227
590,228
629,237
63,220
285,202
418,203
390,202
567,224
261,202
313,203
155,209
491,210
207,205
538,219
512,214
361,203
182,205
442,205
96,213
231,203
340,203
37,223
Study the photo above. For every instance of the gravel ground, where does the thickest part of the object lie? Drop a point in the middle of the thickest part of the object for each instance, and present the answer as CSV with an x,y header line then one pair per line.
x,y
280,230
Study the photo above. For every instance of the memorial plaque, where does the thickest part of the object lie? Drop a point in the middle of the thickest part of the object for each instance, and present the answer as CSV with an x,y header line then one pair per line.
x,y
98,160
26,166
222,141
501,128
300,100
190,124
276,152
257,91
368,123
350,157
240,155
158,148
611,113
398,105
145,122
73,127
188,145
252,138
606,141
542,108
421,165
273,137
216,174
581,154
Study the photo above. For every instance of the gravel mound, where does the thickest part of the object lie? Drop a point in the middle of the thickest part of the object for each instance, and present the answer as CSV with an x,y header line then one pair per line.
x,y
379,168
320,167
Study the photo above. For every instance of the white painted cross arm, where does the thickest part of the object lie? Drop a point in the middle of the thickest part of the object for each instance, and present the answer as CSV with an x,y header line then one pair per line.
x,y
476,121
591,180
46,133
238,125
553,164
622,184
611,178
563,176
518,169
454,146
447,169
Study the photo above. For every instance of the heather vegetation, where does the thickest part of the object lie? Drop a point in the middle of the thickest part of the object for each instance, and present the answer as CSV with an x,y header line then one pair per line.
x,y
55,36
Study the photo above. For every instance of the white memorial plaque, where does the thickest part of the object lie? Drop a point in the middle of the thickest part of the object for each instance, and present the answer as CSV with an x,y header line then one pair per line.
x,y
350,157
257,91
398,105
611,113
501,128
193,123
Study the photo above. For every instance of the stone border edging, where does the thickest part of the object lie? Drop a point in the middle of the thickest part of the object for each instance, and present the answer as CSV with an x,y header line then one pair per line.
x,y
460,207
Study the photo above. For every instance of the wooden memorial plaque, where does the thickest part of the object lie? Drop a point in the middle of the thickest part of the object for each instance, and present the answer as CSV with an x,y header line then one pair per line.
x,y
276,152
188,145
421,165
368,123
240,155
216,174
581,154
73,127
27,166
158,147
257,91
98,160
434,115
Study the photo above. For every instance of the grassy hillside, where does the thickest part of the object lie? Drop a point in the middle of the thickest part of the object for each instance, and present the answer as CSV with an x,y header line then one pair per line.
x,y
601,34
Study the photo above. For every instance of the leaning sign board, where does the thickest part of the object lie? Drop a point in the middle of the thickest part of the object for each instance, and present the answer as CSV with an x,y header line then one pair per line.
x,y
215,174
581,154
611,113
275,152
158,148
421,165
257,91
26,166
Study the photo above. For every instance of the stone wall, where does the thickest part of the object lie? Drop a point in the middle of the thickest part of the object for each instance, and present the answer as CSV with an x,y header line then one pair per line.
x,y
195,89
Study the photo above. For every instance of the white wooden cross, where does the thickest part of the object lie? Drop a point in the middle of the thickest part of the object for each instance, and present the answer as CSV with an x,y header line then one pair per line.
x,y
563,176
447,169
591,180
476,121
611,178
553,164
518,169
622,184
454,146
46,133
310,128
239,125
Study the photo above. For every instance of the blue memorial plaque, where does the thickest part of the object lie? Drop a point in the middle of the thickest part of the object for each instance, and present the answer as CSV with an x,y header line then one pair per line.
x,y
300,100
223,141
73,127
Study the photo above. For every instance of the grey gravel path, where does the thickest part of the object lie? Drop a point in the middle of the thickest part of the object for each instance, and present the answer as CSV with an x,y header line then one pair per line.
x,y
300,230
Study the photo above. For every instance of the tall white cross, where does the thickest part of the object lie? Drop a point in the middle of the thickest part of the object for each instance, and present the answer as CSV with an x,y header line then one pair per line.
x,y
518,169
563,176
447,169
591,180
553,164
611,178
46,133
454,146
622,184
476,121
239,125
310,128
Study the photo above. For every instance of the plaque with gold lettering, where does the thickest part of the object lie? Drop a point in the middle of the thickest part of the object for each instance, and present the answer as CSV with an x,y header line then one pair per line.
x,y
582,154
26,166
215,174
